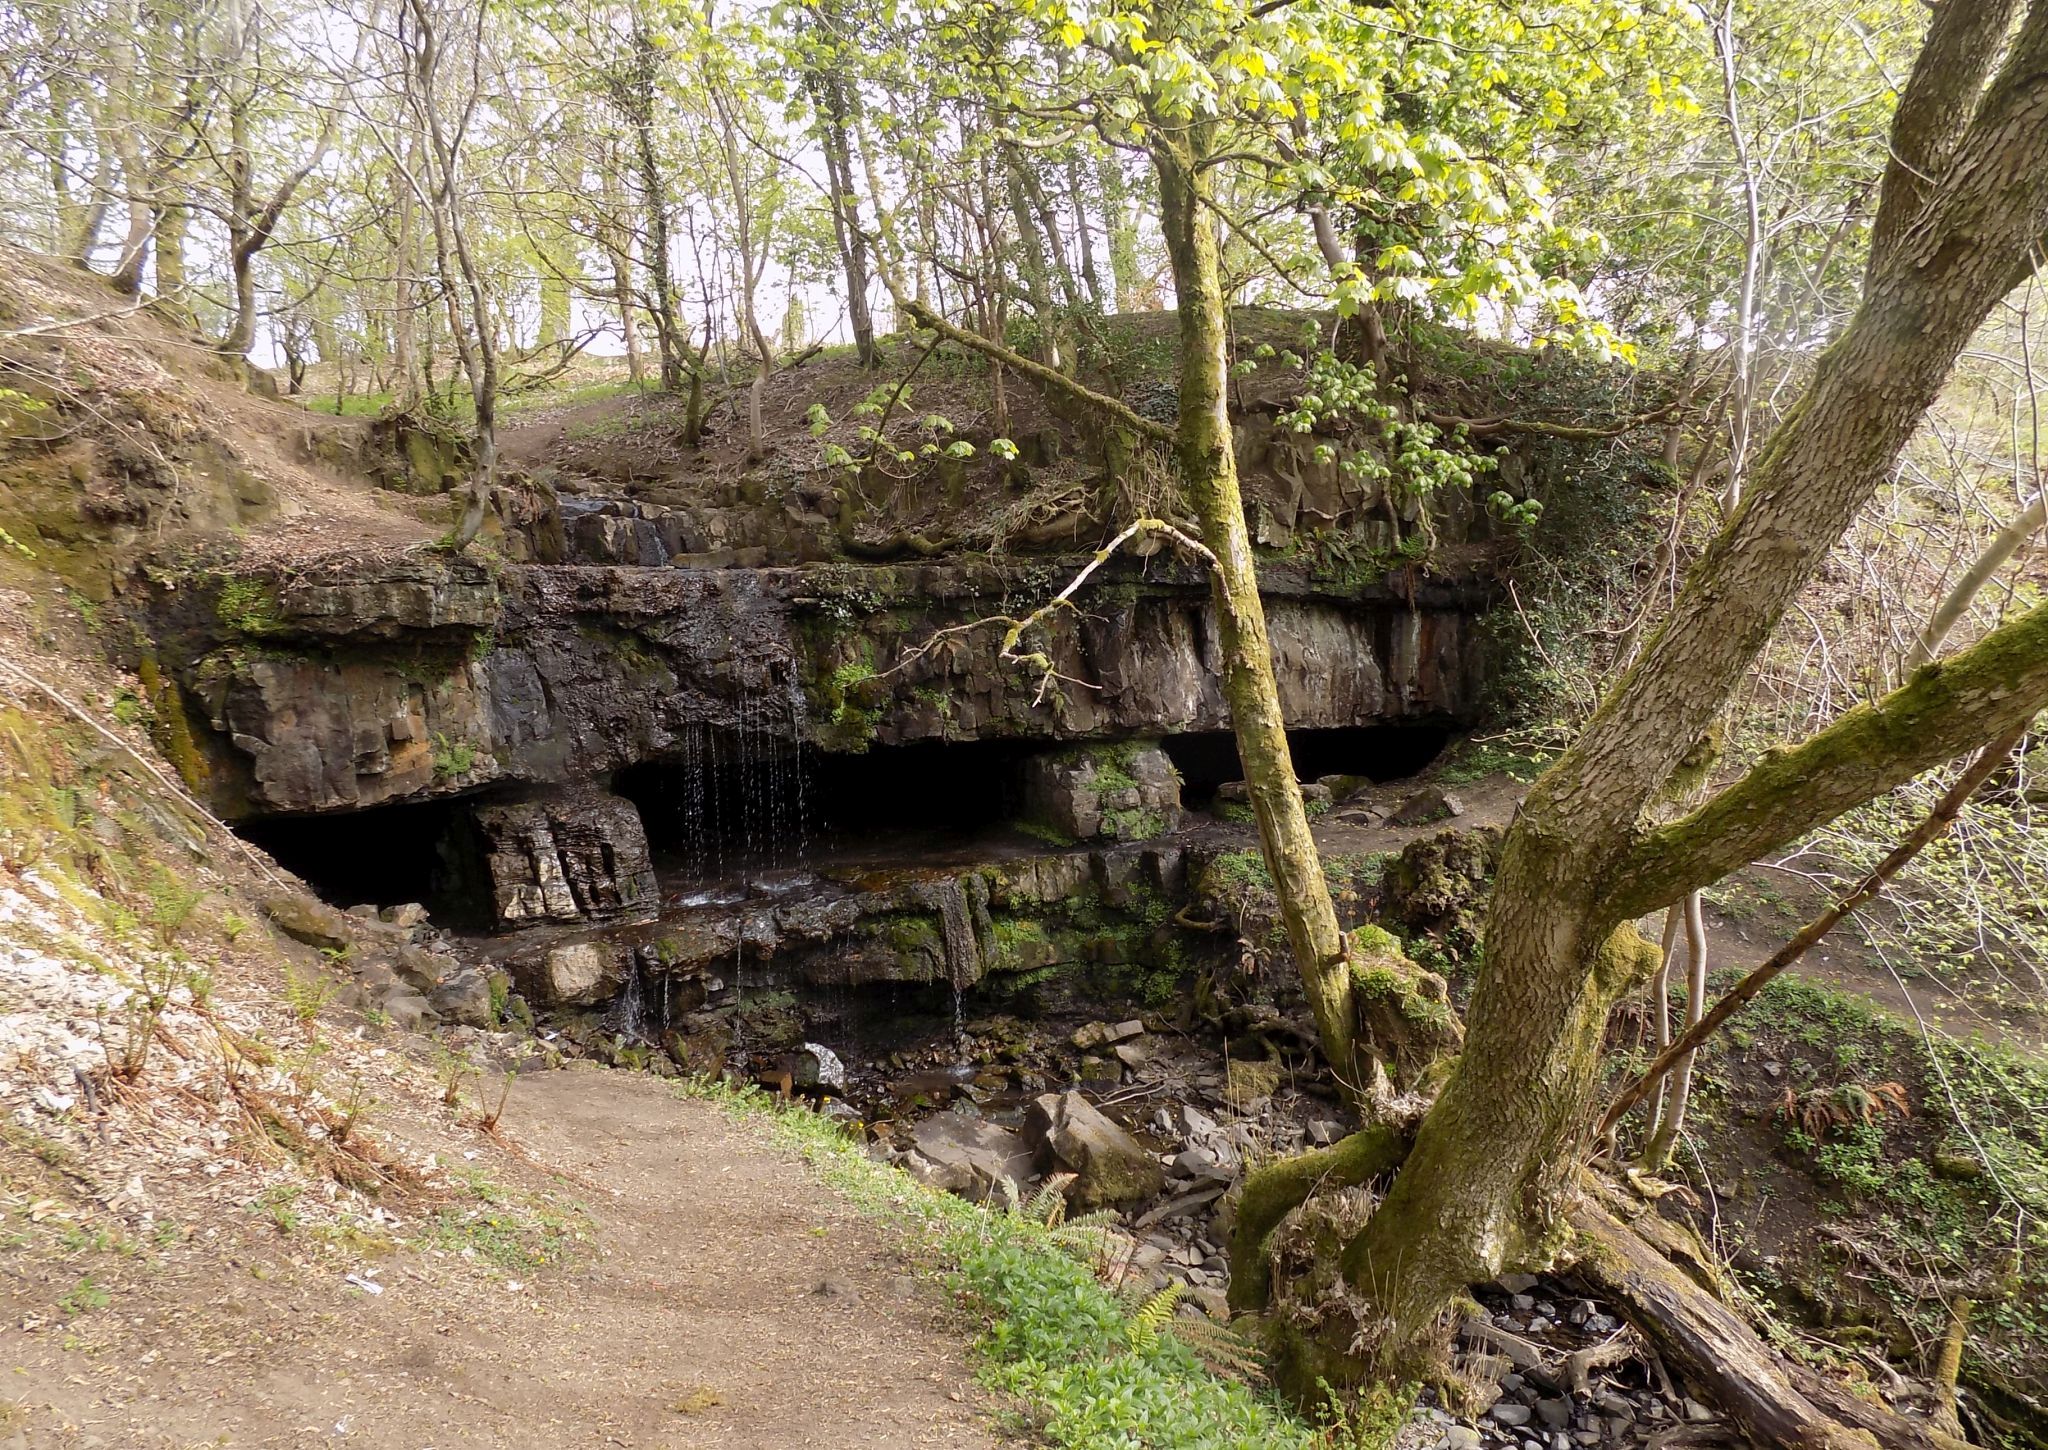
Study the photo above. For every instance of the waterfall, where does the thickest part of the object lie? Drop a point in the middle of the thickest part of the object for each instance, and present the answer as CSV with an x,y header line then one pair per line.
x,y
629,1013
797,718
962,907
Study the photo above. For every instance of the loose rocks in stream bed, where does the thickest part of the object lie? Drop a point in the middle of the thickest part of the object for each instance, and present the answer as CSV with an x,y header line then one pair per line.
x,y
1563,1374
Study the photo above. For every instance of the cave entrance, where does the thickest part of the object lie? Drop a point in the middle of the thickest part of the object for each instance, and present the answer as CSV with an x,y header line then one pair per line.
x,y
1207,759
719,810
382,856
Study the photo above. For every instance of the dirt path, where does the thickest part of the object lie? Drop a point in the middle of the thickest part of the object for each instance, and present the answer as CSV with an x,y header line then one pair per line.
x,y
727,1299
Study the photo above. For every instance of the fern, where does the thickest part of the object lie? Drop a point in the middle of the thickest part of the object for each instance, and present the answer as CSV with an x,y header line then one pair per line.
x,y
1094,1239
1048,1206
1152,1316
1223,1349
1100,1218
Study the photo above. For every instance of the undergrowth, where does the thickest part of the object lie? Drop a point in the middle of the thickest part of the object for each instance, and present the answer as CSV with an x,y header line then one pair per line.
x,y
1927,1156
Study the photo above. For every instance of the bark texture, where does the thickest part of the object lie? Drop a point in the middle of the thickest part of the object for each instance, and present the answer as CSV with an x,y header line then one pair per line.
x,y
1494,1156
1208,469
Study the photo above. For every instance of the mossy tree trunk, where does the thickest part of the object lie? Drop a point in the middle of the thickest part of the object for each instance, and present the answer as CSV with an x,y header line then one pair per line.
x,y
1208,467
1495,1159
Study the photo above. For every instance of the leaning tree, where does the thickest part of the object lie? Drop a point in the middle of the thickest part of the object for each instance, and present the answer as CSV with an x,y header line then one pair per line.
x,y
1492,1176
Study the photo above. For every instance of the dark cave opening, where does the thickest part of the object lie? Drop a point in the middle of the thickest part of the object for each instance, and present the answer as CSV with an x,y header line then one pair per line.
x,y
384,856
1208,759
730,804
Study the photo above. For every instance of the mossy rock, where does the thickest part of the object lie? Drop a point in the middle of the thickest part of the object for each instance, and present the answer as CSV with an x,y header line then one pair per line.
x,y
1023,945
1439,885
1404,1012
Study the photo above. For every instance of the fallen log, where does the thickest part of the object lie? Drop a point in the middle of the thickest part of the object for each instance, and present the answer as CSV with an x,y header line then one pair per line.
x,y
1774,1401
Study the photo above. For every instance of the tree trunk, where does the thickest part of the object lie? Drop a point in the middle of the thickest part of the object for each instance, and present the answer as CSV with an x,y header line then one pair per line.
x,y
84,238
638,97
1677,1095
1208,465
1031,261
1959,599
1084,238
173,225
557,261
629,317
828,94
406,384
471,324
1493,1159
1660,1001
1122,230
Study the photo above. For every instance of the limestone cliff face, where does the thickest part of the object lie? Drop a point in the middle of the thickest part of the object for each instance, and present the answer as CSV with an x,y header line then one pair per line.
x,y
421,676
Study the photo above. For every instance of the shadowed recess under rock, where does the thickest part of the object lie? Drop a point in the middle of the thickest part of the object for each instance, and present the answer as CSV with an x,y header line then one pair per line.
x,y
1207,759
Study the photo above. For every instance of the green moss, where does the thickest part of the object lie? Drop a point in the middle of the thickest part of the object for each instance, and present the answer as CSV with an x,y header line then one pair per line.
x,y
1109,765
1385,985
1038,830
247,607
453,759
1022,944
1374,941
1244,870
1272,1192
907,933
1625,960
848,718
1136,824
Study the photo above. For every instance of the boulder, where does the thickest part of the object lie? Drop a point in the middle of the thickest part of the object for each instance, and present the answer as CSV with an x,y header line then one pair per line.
x,y
577,975
1127,792
1342,788
571,854
1952,1161
1091,1036
971,1157
1426,806
315,923
1405,1011
464,996
1068,1134
1199,1162
424,969
405,917
407,1009
819,1067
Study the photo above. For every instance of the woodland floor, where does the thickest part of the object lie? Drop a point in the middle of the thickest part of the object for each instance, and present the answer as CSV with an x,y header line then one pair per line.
x,y
720,1297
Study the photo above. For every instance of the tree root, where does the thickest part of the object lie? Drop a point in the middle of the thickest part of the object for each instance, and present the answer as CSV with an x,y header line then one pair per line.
x,y
895,546
1774,1401
1656,1275
1276,1190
